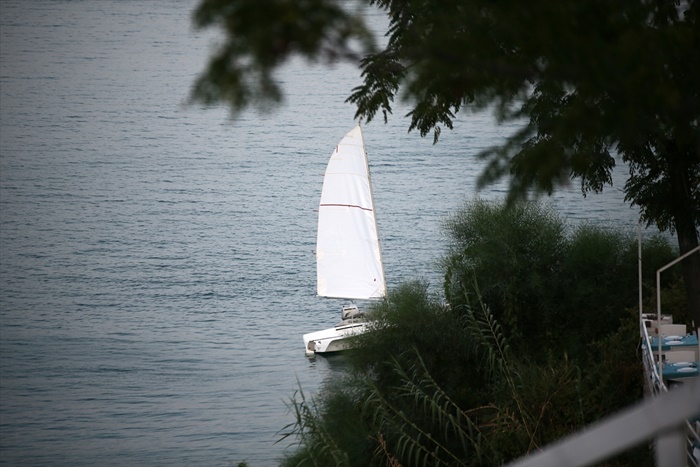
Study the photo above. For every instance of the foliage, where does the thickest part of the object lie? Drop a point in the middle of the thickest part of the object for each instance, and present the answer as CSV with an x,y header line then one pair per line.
x,y
261,35
514,253
411,318
601,271
552,292
614,378
333,432
413,420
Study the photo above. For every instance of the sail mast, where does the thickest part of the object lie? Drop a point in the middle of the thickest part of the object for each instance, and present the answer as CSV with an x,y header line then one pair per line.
x,y
374,209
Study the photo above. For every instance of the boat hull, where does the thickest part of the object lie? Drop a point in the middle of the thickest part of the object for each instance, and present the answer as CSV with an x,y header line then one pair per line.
x,y
333,339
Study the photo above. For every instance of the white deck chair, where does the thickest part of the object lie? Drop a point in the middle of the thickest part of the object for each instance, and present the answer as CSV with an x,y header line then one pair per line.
x,y
676,356
673,330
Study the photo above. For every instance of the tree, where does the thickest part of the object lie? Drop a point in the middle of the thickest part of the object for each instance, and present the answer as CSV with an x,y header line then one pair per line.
x,y
594,79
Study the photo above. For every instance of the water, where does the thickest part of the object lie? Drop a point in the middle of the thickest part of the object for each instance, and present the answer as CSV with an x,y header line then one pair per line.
x,y
157,265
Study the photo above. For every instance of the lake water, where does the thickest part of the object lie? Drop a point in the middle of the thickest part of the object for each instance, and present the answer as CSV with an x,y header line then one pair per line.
x,y
156,264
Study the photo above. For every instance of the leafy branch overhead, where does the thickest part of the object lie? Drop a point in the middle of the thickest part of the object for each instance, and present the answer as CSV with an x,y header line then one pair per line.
x,y
261,35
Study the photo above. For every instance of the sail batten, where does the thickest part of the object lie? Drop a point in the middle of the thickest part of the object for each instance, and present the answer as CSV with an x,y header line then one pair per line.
x,y
348,254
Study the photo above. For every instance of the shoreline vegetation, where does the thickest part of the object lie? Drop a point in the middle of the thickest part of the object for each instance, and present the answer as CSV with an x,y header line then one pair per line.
x,y
536,336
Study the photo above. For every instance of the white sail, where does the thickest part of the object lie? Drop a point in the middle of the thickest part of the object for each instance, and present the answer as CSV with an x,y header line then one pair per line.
x,y
348,256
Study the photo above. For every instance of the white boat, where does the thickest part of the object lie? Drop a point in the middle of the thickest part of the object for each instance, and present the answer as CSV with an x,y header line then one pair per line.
x,y
348,256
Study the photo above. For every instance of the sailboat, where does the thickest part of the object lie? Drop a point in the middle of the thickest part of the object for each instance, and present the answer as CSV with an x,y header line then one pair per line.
x,y
348,255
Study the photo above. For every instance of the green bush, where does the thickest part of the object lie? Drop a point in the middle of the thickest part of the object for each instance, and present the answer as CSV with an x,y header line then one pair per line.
x,y
515,255
553,293
411,318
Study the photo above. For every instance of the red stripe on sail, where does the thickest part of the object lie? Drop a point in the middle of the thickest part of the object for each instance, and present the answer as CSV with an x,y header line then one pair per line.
x,y
346,206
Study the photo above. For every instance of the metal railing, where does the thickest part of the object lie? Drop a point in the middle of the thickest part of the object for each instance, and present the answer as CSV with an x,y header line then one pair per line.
x,y
661,420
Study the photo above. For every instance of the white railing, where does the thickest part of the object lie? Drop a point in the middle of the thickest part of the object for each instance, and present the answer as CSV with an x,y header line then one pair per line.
x,y
654,384
662,419
658,294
